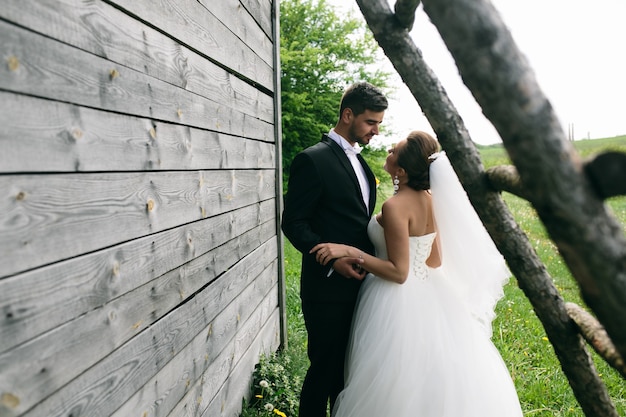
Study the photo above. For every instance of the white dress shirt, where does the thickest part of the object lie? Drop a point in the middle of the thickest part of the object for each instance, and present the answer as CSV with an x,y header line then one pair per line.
x,y
351,152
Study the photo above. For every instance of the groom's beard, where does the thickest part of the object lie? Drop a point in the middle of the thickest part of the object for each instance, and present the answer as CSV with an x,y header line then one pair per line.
x,y
360,139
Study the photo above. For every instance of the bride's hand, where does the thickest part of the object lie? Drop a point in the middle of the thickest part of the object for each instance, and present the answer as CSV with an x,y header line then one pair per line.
x,y
350,267
325,252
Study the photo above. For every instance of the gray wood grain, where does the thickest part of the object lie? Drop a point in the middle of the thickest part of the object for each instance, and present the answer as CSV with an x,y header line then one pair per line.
x,y
191,24
201,400
227,402
40,300
116,351
107,32
46,68
45,219
61,137
229,398
139,258
261,10
239,21
203,362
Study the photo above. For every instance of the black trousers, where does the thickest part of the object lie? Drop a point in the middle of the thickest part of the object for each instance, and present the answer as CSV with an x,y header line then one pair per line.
x,y
328,326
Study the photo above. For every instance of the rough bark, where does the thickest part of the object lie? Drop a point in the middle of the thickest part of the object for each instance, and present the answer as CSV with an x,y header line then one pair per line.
x,y
405,12
596,336
506,178
607,173
531,274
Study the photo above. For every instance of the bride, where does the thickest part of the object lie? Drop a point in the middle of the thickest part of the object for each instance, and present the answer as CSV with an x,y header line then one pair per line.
x,y
421,335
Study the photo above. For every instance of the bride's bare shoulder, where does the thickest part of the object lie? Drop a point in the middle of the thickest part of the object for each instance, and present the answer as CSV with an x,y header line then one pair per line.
x,y
408,198
398,205
408,205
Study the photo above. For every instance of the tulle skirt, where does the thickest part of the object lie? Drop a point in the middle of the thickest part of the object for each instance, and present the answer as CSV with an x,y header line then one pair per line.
x,y
415,350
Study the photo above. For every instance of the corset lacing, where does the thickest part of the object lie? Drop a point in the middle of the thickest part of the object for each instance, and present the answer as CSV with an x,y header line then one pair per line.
x,y
422,249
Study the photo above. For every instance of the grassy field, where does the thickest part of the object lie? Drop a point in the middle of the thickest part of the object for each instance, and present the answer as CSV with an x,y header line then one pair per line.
x,y
542,388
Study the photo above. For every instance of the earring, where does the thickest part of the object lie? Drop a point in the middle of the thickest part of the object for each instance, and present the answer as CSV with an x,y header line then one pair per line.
x,y
396,185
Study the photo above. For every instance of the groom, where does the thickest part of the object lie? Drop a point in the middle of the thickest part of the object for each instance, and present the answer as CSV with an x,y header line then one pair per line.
x,y
330,198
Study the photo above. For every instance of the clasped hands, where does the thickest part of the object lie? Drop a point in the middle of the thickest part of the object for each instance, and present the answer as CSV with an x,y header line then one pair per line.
x,y
345,263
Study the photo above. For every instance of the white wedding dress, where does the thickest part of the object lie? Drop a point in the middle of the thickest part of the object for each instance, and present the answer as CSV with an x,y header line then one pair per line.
x,y
423,348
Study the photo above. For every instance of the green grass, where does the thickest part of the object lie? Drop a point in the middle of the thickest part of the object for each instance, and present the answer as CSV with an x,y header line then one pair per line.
x,y
517,333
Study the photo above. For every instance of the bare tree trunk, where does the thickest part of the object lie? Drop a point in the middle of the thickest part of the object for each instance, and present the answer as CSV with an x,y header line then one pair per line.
x,y
510,239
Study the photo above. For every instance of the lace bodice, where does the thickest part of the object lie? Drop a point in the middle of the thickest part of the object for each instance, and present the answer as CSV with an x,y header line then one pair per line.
x,y
420,246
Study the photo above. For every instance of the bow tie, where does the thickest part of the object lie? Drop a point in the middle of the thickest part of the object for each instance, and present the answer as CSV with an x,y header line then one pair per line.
x,y
353,150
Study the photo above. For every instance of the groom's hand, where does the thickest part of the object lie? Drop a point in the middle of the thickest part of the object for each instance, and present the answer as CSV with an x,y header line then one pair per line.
x,y
347,268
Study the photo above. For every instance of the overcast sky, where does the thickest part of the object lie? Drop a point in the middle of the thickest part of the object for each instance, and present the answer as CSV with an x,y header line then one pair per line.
x,y
576,48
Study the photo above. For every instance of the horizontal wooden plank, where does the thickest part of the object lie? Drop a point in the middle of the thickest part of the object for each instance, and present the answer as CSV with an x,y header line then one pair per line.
x,y
247,350
235,378
261,11
239,20
229,399
192,25
48,218
40,300
62,137
204,360
46,68
106,31
98,361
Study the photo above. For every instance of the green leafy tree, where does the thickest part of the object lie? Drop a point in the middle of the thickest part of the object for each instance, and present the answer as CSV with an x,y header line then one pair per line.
x,y
321,54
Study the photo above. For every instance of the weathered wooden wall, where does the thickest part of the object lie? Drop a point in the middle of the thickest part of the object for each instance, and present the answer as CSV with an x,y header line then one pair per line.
x,y
139,191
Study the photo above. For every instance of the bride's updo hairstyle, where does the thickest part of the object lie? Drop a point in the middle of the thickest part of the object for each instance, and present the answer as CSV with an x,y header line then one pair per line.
x,y
413,157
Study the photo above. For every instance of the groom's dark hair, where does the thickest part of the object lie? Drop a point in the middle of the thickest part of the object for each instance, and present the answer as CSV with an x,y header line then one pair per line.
x,y
363,96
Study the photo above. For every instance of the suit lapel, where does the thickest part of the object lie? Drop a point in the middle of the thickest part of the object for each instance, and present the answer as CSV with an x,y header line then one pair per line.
x,y
371,179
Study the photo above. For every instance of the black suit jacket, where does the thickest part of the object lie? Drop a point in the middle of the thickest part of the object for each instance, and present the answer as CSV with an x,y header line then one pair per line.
x,y
324,204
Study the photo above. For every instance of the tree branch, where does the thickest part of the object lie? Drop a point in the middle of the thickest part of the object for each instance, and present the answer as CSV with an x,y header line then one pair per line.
x,y
596,336
506,178
405,12
607,173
